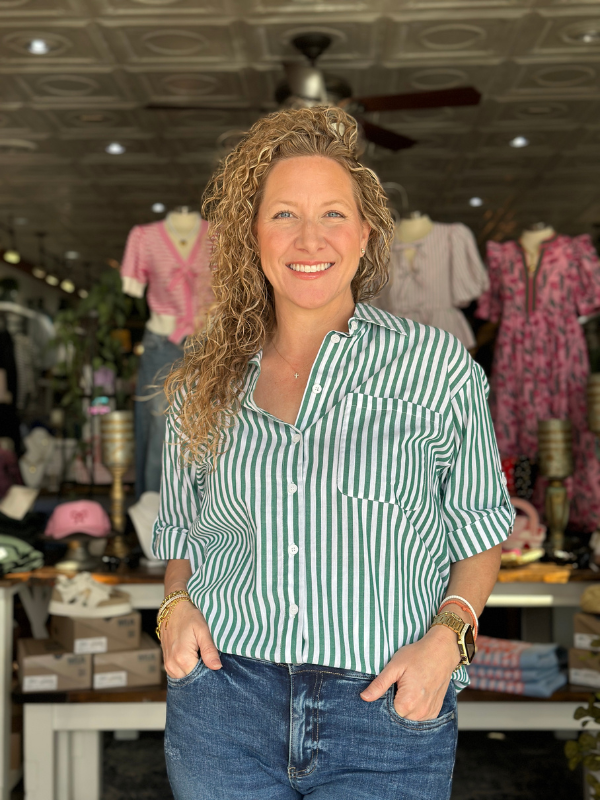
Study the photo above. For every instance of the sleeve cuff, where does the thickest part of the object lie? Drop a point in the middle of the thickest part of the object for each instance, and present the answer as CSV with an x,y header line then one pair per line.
x,y
491,529
169,542
132,286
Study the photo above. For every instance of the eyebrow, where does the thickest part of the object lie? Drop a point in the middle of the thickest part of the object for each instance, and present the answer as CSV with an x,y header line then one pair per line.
x,y
295,203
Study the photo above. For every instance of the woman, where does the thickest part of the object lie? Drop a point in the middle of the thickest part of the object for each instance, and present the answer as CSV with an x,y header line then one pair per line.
x,y
330,475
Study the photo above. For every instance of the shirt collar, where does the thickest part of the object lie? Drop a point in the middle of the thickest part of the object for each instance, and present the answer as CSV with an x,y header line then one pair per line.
x,y
363,313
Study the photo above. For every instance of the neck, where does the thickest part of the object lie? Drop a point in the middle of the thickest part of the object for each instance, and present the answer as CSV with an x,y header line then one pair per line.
x,y
531,240
410,230
183,222
299,332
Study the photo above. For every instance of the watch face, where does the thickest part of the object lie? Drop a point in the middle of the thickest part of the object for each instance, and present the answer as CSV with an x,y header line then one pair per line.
x,y
470,643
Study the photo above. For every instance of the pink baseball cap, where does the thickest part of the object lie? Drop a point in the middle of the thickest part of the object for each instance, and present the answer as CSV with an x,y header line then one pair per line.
x,y
79,516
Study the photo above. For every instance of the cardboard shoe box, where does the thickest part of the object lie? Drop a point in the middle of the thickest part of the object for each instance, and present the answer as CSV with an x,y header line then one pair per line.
x,y
584,668
129,668
83,635
45,666
586,630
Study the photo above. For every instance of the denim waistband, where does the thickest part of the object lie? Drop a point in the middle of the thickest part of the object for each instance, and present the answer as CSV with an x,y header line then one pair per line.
x,y
294,667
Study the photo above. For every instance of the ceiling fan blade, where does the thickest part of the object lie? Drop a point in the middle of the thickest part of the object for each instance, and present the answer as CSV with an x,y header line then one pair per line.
x,y
306,82
461,96
385,138
181,107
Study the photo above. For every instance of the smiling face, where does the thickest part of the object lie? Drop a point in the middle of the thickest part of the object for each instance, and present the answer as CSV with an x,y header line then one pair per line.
x,y
310,233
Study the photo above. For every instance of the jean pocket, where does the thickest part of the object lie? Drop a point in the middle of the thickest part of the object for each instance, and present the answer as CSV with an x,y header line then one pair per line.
x,y
186,679
447,712
386,450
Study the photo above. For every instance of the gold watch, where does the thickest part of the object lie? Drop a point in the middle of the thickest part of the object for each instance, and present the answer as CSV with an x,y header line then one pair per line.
x,y
464,631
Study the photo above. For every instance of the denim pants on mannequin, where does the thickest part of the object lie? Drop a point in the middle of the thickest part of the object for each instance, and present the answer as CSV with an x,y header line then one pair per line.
x,y
150,423
255,730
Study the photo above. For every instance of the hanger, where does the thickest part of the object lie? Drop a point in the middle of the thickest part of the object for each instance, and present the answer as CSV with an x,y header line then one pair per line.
x,y
398,189
537,226
184,210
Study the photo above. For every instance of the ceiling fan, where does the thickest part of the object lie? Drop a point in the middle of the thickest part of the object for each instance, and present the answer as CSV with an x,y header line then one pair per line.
x,y
306,85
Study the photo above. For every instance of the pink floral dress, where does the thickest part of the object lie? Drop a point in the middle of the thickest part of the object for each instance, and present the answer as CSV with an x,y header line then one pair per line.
x,y
541,363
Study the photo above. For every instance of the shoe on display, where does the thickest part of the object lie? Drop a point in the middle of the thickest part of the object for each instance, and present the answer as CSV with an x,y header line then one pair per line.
x,y
82,596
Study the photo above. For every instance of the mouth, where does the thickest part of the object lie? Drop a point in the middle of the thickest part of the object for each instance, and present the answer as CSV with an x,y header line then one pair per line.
x,y
321,267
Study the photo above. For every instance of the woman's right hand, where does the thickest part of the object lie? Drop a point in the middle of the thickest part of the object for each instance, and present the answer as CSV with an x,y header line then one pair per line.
x,y
185,635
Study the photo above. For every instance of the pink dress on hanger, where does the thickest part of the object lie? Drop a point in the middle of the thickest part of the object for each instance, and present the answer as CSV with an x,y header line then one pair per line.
x,y
445,274
180,287
541,362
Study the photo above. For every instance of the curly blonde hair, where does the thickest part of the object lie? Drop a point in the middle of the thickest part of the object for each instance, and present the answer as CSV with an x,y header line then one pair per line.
x,y
205,390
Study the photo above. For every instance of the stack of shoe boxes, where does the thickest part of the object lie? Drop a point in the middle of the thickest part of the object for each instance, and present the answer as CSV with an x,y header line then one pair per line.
x,y
90,647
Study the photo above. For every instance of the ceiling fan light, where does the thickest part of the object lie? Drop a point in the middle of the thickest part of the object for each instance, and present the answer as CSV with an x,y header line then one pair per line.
x,y
519,141
476,202
11,256
159,208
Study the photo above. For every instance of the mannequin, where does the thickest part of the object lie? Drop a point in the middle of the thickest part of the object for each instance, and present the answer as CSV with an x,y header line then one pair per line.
x,y
170,258
411,229
539,286
435,270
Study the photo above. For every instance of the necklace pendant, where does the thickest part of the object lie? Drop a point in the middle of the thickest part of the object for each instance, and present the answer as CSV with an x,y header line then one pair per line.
x,y
183,242
296,375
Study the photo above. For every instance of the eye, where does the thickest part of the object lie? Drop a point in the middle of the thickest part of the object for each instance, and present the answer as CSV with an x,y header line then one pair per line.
x,y
335,214
283,215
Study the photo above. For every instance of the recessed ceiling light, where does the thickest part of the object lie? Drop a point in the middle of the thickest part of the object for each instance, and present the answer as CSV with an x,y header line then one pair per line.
x,y
476,202
38,47
39,273
52,280
587,37
71,254
115,149
82,293
519,141
21,221
11,256
67,286
158,208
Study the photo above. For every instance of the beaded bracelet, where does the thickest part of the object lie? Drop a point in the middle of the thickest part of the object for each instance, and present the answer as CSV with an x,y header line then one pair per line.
x,y
170,597
464,605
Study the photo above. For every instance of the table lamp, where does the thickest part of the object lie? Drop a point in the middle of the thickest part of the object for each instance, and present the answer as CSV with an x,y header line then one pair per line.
x,y
555,453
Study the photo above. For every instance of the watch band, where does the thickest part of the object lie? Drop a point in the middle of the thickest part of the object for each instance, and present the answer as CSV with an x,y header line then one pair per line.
x,y
463,631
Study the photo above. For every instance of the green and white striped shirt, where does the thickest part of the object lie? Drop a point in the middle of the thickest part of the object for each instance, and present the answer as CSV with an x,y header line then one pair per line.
x,y
330,541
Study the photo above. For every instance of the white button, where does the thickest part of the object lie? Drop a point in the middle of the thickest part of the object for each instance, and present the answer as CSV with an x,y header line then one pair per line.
x,y
293,610
296,438
292,488
293,549
317,389
335,338
504,481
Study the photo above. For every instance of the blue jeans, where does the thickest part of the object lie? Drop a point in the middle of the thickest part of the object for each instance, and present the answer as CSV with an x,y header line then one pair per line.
x,y
255,730
150,422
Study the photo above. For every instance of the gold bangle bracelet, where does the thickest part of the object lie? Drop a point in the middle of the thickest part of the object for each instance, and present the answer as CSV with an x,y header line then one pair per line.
x,y
166,613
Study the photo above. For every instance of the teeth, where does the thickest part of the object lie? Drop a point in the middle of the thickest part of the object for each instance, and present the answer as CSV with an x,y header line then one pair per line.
x,y
311,267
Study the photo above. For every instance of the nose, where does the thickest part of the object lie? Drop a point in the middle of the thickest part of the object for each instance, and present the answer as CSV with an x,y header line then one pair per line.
x,y
310,237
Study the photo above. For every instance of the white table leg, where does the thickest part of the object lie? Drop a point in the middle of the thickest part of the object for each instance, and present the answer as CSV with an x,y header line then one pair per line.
x,y
6,635
63,765
39,752
36,600
86,765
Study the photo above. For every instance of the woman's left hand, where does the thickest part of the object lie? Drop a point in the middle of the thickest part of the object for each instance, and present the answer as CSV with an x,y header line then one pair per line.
x,y
422,672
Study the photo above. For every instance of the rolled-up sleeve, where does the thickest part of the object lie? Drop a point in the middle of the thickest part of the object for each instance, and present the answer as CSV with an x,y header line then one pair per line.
x,y
476,505
179,500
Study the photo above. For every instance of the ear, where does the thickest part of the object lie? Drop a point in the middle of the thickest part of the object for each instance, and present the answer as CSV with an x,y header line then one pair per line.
x,y
364,234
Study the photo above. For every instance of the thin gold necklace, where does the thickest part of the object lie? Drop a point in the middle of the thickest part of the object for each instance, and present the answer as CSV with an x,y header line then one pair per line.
x,y
296,375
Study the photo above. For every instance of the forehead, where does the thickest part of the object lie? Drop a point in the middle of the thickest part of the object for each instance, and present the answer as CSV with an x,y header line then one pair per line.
x,y
309,173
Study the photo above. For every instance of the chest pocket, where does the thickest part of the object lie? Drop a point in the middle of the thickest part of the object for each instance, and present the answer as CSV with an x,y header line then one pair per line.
x,y
385,450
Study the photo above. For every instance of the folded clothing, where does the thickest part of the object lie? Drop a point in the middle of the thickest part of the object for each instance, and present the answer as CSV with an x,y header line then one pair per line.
x,y
539,688
509,674
18,556
515,655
